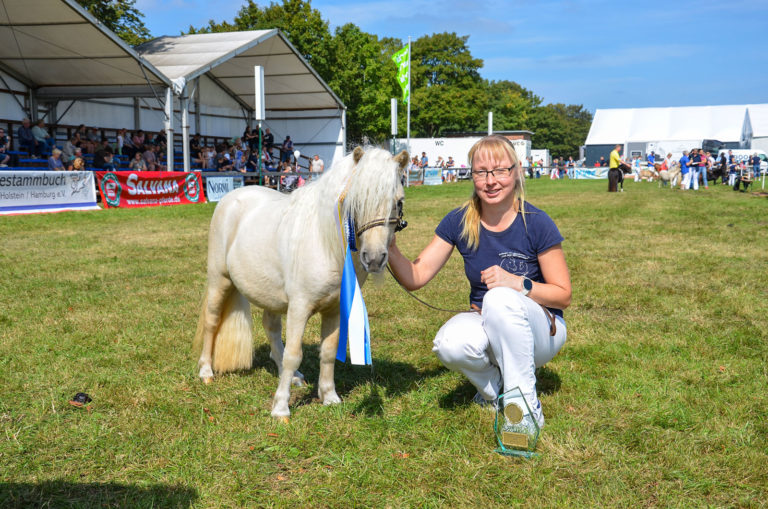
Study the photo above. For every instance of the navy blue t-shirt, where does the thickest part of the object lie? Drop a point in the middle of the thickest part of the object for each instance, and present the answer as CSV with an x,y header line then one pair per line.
x,y
515,250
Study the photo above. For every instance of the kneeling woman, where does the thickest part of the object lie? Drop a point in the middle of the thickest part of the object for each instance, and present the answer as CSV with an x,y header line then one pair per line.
x,y
519,282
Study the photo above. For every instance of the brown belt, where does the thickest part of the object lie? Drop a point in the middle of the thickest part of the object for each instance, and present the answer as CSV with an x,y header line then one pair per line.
x,y
552,321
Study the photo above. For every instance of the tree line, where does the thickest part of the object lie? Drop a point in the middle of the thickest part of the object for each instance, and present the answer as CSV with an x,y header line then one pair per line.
x,y
448,94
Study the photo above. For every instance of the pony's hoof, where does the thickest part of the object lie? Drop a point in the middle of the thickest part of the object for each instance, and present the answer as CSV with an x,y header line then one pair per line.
x,y
207,380
331,399
206,374
297,380
284,420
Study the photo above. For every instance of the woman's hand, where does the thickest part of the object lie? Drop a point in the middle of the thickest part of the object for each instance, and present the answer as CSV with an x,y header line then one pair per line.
x,y
495,276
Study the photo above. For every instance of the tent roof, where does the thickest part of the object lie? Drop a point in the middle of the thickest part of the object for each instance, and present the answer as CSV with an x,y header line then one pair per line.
x,y
60,50
758,116
229,58
724,123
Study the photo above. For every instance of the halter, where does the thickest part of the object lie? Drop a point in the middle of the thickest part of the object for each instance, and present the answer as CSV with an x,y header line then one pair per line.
x,y
398,221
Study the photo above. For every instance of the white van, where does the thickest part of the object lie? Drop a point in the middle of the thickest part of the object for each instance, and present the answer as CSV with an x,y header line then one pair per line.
x,y
742,154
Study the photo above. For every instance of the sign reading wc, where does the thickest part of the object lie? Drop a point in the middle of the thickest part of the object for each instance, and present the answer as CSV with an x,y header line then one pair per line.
x,y
217,187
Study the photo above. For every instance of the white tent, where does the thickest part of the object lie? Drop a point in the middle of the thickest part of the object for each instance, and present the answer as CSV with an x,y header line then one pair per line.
x,y
667,129
758,117
53,51
222,64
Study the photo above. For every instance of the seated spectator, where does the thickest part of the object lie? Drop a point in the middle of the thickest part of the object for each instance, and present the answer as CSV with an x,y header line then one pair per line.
x,y
137,163
27,141
290,180
449,163
5,146
54,162
69,150
241,164
603,162
268,163
93,139
253,161
44,139
101,153
223,164
78,161
109,162
209,158
194,149
150,158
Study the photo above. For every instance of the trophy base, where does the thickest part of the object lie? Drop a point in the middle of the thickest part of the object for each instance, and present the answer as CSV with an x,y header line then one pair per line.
x,y
517,452
516,430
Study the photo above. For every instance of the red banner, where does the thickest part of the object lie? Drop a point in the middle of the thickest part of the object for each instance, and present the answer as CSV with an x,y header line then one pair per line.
x,y
149,188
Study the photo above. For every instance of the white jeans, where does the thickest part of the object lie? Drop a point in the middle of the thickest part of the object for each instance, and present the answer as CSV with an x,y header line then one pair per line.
x,y
501,348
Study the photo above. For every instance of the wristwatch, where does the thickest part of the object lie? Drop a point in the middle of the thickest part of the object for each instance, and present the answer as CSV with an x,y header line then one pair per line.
x,y
527,286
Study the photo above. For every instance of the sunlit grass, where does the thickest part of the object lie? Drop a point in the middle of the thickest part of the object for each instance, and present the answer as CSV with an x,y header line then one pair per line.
x,y
657,399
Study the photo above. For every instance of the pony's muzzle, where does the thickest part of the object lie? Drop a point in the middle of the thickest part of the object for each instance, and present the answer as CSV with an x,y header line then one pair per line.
x,y
373,261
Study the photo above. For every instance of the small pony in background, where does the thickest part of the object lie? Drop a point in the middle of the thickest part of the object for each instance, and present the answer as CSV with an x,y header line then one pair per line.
x,y
284,253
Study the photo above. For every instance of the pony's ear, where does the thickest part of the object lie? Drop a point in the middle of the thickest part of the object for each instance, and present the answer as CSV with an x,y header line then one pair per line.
x,y
358,154
402,159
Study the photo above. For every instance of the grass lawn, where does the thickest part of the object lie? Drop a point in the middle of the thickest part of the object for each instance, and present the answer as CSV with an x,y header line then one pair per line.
x,y
657,399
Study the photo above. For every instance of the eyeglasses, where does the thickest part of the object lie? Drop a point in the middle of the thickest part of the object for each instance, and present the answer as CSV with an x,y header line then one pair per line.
x,y
499,173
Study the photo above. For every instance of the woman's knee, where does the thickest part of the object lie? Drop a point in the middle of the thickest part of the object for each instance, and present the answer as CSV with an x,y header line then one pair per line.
x,y
503,299
456,343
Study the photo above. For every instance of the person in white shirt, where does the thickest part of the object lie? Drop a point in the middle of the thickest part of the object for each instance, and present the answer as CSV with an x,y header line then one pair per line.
x,y
317,165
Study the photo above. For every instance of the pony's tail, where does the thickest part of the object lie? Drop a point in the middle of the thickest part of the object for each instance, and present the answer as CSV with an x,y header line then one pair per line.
x,y
233,341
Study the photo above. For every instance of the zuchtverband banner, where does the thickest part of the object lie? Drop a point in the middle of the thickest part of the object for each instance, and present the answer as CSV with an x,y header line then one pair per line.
x,y
28,192
130,189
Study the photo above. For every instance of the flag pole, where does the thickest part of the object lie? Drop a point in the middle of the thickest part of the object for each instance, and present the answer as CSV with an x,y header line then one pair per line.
x,y
408,121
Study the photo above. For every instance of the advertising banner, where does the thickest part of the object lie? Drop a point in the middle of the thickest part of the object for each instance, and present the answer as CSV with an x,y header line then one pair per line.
x,y
130,189
217,187
27,192
433,176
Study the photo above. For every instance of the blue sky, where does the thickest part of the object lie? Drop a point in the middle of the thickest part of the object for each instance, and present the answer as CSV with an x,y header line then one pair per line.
x,y
602,54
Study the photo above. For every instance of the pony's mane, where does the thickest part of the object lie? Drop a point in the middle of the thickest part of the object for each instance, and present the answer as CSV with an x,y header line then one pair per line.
x,y
373,180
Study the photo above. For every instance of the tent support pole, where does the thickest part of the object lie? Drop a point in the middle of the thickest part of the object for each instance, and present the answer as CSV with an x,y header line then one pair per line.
x,y
184,103
169,127
136,114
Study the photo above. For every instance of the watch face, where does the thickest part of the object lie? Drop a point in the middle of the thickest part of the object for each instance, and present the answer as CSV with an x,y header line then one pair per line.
x,y
527,284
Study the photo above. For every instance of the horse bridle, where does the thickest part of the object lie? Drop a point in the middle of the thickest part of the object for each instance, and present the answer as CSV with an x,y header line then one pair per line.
x,y
398,221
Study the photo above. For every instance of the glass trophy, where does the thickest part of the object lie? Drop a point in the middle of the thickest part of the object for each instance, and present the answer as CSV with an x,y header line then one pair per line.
x,y
515,427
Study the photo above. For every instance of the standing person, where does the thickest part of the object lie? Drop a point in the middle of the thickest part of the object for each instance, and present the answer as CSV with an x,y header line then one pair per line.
x,y
317,165
731,168
269,139
561,168
286,150
614,170
515,264
755,166
670,164
424,162
571,167
636,168
527,167
553,171
695,168
685,171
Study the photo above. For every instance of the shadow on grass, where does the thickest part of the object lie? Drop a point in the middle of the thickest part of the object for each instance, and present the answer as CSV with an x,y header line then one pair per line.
x,y
393,377
69,494
547,382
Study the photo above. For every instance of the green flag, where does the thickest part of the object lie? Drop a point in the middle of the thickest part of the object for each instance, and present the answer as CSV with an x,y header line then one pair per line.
x,y
402,59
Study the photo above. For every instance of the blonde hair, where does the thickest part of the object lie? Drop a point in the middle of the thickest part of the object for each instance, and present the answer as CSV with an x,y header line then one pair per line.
x,y
497,148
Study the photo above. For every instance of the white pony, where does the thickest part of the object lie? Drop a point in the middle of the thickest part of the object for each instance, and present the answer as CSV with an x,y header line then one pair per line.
x,y
284,253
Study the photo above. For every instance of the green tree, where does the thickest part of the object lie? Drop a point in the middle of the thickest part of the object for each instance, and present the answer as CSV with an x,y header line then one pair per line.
x,y
120,16
511,104
302,25
361,74
447,92
560,128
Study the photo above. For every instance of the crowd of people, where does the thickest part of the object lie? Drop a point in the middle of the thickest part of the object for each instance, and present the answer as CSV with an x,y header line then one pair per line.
x,y
140,151
692,170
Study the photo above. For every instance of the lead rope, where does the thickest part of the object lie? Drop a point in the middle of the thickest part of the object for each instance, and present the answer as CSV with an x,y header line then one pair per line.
x,y
426,303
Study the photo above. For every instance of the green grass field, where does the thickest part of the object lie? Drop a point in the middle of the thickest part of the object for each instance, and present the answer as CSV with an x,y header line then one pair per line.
x,y
657,399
